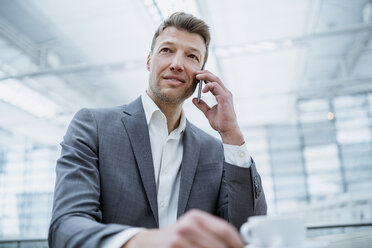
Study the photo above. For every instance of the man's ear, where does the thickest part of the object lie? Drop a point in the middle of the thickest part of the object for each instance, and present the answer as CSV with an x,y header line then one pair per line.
x,y
148,61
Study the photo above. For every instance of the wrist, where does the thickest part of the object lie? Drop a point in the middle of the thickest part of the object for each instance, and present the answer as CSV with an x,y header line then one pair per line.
x,y
233,137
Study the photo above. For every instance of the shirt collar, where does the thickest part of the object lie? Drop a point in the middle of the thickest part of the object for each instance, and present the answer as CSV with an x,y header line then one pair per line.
x,y
150,108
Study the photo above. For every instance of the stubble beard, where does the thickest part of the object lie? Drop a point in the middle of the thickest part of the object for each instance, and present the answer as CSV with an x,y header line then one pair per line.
x,y
162,96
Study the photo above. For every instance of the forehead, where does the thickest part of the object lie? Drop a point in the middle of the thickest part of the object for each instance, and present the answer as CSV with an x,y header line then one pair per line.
x,y
181,38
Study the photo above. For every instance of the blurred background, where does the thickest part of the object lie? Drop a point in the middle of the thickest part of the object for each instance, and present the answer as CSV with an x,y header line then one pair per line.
x,y
300,72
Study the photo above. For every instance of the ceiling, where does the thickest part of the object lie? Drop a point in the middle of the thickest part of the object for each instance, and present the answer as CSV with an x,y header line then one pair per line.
x,y
59,56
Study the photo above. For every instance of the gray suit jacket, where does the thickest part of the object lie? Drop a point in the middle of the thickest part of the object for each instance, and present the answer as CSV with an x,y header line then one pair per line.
x,y
105,178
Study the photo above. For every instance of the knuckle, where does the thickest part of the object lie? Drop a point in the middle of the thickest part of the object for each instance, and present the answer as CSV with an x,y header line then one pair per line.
x,y
226,232
194,213
224,98
184,230
194,216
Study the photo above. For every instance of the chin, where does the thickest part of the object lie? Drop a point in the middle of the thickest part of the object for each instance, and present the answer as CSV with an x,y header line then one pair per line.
x,y
172,95
168,97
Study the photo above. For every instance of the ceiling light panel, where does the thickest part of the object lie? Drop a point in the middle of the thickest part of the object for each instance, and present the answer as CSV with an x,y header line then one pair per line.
x,y
15,93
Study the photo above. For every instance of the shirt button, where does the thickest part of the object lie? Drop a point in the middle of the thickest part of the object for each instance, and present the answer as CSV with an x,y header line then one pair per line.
x,y
241,154
162,204
165,171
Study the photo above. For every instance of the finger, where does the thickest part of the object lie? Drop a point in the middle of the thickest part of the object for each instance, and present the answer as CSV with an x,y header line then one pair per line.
x,y
214,88
191,229
209,77
222,229
226,233
199,237
203,106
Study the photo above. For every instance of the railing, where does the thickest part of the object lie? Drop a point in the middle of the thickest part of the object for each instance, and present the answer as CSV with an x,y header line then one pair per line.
x,y
23,243
320,229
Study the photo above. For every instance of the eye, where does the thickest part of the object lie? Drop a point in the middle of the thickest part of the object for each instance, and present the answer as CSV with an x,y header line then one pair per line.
x,y
165,50
194,57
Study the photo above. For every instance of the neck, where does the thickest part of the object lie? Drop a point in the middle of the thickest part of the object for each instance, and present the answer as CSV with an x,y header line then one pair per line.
x,y
172,112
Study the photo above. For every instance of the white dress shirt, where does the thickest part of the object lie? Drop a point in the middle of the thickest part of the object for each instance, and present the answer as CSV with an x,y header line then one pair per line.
x,y
167,151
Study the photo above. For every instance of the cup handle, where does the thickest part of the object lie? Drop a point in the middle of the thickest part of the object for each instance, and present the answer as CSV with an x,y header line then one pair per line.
x,y
246,231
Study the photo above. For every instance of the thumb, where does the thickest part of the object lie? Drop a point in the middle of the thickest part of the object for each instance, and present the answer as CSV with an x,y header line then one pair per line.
x,y
201,105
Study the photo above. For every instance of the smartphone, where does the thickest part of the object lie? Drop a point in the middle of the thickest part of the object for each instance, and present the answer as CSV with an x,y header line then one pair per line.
x,y
200,87
200,90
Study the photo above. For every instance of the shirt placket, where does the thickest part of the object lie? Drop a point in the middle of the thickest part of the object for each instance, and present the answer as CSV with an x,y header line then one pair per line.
x,y
163,194
164,187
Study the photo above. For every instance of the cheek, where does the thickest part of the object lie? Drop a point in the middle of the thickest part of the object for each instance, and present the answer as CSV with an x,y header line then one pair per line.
x,y
159,67
154,70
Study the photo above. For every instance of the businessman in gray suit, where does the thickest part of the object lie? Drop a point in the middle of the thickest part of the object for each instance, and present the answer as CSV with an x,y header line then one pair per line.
x,y
141,175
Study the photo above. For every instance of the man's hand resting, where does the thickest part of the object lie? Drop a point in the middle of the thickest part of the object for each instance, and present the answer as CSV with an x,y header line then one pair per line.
x,y
194,229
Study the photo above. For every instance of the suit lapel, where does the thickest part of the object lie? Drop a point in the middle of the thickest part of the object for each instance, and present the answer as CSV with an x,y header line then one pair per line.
x,y
137,130
191,150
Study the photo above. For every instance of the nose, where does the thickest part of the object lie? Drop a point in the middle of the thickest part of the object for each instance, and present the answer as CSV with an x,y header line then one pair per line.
x,y
177,63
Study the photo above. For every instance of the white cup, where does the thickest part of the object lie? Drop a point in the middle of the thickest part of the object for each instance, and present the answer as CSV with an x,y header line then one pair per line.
x,y
264,231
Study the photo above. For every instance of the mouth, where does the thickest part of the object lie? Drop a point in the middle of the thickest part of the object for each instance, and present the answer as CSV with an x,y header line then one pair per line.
x,y
174,79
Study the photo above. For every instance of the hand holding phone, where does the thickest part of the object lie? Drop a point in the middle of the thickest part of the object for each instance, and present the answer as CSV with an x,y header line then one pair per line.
x,y
221,111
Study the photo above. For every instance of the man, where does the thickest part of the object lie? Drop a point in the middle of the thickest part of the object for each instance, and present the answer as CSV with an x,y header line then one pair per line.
x,y
141,175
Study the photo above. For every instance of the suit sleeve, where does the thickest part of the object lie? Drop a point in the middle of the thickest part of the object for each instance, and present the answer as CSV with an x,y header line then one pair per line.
x,y
241,194
76,218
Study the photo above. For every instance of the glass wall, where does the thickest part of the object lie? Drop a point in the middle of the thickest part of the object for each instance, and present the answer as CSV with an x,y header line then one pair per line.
x,y
26,190
327,154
